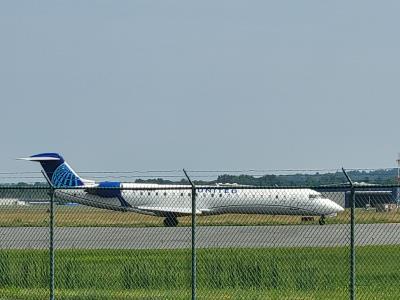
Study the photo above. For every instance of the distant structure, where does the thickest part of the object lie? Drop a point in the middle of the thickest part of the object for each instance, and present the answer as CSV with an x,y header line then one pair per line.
x,y
11,201
398,179
398,168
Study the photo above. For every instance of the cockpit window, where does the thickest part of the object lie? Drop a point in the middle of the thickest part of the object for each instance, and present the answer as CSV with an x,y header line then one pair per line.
x,y
314,196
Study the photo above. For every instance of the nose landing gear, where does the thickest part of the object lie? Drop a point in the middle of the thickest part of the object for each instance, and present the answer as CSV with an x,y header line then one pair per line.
x,y
322,220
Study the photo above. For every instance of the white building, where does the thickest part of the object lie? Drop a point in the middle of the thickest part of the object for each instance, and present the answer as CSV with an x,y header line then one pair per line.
x,y
11,201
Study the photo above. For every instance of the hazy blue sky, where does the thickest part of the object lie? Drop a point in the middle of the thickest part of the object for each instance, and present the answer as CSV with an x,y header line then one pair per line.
x,y
127,85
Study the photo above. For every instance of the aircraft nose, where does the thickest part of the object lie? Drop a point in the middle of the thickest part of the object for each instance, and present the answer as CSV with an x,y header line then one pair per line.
x,y
330,207
336,207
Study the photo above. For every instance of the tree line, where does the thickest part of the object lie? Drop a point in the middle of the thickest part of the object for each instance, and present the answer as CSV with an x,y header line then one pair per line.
x,y
382,176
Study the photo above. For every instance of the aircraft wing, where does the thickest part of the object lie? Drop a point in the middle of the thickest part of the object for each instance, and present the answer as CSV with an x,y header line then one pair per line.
x,y
162,211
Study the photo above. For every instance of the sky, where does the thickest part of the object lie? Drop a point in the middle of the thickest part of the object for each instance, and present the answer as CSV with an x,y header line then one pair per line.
x,y
202,85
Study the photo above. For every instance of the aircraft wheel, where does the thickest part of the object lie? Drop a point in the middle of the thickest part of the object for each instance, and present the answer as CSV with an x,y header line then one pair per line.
x,y
322,220
170,222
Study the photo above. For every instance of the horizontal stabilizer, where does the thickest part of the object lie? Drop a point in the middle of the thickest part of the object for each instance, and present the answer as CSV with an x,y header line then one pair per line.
x,y
38,158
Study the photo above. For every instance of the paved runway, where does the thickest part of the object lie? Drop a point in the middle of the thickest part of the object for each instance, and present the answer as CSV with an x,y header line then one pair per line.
x,y
207,237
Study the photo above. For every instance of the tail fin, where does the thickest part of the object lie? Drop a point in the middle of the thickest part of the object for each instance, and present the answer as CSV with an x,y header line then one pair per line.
x,y
57,170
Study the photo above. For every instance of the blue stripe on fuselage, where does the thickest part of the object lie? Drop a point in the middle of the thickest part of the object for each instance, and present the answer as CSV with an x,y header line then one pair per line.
x,y
108,189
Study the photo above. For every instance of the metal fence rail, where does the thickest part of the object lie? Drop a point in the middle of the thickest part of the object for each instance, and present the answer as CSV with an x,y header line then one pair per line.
x,y
52,247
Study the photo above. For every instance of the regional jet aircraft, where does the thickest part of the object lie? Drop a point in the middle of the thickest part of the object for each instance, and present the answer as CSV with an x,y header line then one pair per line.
x,y
171,201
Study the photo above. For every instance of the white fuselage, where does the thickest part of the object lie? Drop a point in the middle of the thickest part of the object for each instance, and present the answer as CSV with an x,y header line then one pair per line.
x,y
158,200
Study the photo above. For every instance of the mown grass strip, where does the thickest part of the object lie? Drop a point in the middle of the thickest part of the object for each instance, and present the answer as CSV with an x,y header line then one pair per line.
x,y
141,274
81,216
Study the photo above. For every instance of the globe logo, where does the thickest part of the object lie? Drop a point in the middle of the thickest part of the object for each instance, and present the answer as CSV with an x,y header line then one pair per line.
x,y
64,177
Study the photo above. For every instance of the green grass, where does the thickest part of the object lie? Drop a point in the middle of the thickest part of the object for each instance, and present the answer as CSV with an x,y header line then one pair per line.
x,y
81,216
283,273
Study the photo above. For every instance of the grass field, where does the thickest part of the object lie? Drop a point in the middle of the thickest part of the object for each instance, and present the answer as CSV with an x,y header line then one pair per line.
x,y
86,216
284,273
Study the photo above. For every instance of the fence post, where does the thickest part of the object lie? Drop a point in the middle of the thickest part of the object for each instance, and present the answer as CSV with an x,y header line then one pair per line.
x,y
194,257
51,227
52,270
352,284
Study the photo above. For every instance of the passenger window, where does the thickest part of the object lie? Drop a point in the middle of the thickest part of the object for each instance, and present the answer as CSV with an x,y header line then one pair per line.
x,y
165,194
149,194
181,194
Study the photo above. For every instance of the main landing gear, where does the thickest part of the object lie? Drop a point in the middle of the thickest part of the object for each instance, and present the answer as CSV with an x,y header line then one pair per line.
x,y
322,220
170,222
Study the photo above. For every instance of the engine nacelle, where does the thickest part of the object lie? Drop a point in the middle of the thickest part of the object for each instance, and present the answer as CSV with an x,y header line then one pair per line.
x,y
106,189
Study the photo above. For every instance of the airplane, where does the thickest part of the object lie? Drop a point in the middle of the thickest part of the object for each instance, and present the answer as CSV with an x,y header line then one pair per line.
x,y
173,201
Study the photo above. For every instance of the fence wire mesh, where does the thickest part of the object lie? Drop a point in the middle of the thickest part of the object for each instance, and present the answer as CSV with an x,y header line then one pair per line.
x,y
134,242
272,251
24,243
377,240
116,253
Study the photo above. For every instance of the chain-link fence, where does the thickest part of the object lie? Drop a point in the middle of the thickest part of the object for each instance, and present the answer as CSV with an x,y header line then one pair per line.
x,y
236,242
